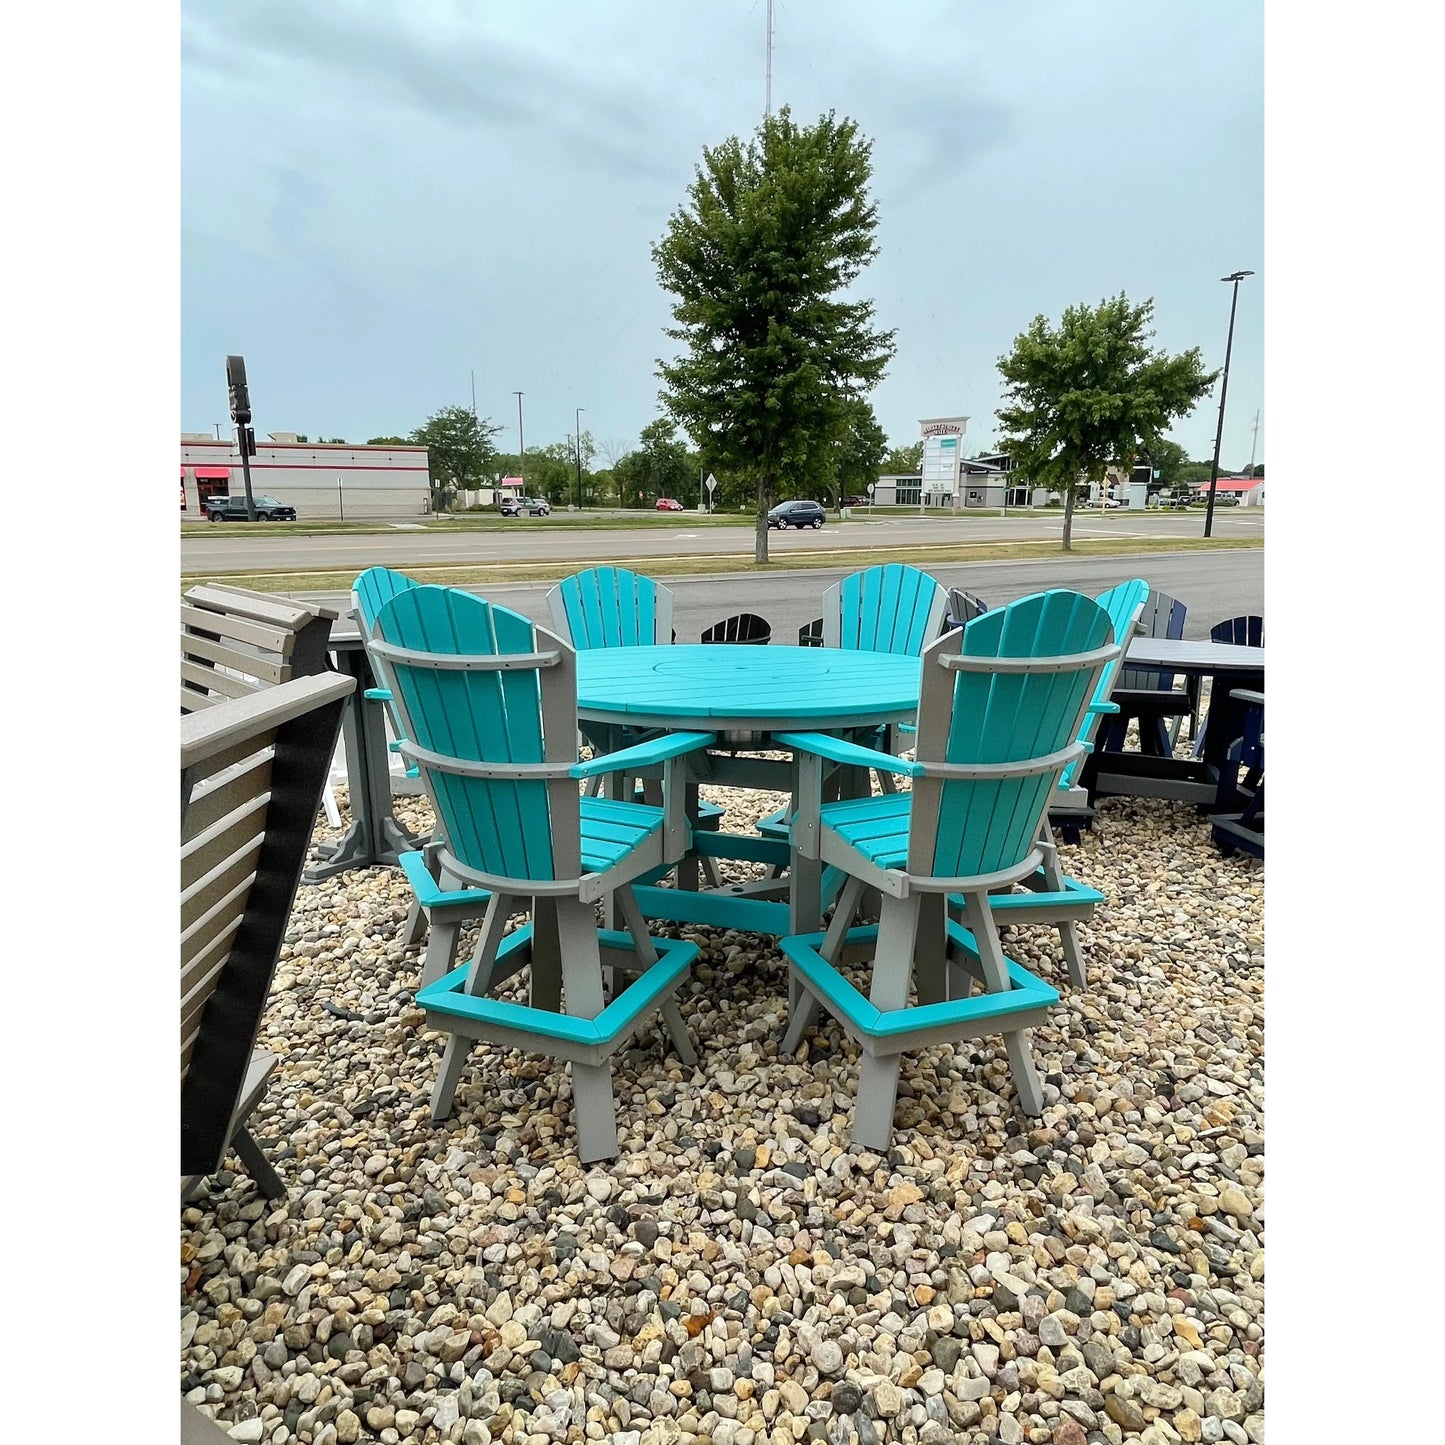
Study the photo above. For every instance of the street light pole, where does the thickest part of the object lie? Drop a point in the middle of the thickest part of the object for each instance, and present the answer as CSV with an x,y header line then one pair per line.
x,y
521,444
578,420
1236,277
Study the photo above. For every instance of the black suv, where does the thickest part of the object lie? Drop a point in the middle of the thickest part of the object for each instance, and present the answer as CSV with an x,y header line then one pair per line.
x,y
233,509
797,514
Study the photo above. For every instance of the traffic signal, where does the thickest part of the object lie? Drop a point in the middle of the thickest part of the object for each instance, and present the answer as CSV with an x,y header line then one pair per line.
x,y
236,385
249,433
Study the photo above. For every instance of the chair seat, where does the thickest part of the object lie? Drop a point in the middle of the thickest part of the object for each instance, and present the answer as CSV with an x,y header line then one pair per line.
x,y
612,829
877,827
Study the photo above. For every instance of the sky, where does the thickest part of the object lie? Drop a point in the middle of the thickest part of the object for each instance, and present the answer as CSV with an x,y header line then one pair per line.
x,y
385,204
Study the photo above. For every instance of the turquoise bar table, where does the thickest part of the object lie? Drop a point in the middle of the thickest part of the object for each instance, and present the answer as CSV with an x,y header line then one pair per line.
x,y
744,694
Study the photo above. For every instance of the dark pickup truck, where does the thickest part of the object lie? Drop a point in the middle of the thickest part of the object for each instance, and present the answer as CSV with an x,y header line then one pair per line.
x,y
233,509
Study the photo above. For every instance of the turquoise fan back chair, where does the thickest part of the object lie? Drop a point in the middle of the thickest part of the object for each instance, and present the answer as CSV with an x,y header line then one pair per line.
x,y
440,908
1000,706
610,607
1050,896
488,706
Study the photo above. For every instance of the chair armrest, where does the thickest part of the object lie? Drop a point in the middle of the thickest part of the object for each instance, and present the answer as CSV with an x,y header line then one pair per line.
x,y
838,751
1247,694
644,754
377,694
1100,708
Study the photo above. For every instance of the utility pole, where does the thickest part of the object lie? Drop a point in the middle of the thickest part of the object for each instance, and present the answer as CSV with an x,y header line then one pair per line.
x,y
521,444
217,426
474,396
578,420
768,87
1254,442
1236,277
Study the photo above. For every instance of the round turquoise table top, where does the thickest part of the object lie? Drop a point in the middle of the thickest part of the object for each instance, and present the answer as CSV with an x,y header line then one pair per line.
x,y
735,687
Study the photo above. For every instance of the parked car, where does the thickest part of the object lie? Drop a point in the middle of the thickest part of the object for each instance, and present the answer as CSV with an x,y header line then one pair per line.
x,y
668,504
526,507
797,514
1226,499
856,501
233,509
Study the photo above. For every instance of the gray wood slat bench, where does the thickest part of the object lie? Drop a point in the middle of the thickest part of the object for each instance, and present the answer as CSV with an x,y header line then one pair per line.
x,y
252,770
234,642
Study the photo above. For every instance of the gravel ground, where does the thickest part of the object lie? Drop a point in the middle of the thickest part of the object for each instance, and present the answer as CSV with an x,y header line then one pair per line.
x,y
739,1276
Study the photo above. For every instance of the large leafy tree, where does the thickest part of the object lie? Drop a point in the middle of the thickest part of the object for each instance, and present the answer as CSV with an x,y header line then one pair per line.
x,y
856,456
758,258
904,461
1089,392
460,455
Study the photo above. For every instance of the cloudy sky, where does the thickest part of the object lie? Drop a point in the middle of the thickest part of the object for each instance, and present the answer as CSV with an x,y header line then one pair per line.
x,y
380,199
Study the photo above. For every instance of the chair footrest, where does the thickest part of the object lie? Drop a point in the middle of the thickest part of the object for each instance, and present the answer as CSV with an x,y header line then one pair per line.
x,y
1041,904
451,1009
774,825
892,1031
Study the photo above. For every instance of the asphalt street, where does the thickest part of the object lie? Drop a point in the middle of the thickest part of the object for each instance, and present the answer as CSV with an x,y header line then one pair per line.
x,y
228,549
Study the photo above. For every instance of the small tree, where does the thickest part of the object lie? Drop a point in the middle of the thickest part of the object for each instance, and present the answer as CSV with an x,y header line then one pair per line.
x,y
904,461
758,257
1091,392
460,455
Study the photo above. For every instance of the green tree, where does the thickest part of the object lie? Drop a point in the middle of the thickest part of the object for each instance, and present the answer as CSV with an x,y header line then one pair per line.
x,y
1091,392
758,258
659,467
1167,459
856,456
904,461
387,441
460,454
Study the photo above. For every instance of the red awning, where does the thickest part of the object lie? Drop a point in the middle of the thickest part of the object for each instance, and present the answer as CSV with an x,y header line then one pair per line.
x,y
183,474
224,473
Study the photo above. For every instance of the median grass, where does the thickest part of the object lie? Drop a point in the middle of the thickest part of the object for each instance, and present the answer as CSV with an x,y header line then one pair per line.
x,y
470,574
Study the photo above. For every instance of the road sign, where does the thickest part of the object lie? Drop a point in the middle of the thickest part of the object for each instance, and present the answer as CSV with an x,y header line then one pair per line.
x,y
871,488
711,482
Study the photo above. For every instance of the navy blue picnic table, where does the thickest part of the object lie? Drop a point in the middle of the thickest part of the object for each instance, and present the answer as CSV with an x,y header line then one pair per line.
x,y
1198,780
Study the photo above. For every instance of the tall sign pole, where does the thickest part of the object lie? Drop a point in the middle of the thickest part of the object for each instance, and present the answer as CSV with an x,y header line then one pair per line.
x,y
578,420
1236,277
521,444
240,397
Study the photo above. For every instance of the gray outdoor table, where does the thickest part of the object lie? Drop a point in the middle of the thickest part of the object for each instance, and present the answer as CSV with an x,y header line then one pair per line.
x,y
1190,780
375,835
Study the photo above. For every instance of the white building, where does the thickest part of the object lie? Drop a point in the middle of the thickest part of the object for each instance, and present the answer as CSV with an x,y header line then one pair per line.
x,y
318,479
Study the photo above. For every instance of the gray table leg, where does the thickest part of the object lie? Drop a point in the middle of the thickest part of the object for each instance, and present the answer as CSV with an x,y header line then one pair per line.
x,y
375,836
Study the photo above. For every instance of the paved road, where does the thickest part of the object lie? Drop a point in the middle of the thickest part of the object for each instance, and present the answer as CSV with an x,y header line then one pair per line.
x,y
1213,585
235,549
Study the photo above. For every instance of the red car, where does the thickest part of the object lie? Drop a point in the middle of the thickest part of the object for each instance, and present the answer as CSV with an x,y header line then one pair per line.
x,y
667,504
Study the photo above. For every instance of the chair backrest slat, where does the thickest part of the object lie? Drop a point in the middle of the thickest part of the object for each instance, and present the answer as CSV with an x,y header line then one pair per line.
x,y
1162,616
890,608
1124,605
972,826
514,827
1243,631
610,607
